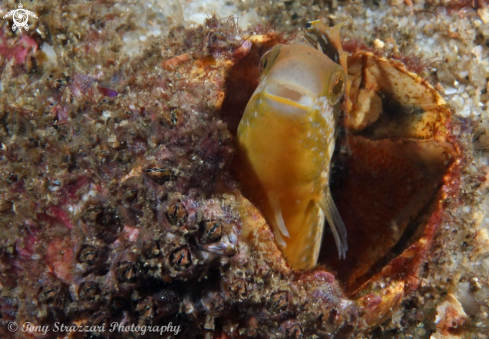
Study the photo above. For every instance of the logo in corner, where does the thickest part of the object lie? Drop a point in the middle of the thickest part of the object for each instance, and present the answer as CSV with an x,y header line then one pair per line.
x,y
20,17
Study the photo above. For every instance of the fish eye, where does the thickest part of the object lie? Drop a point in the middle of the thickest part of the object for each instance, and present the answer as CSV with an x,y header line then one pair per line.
x,y
337,87
264,61
268,59
311,24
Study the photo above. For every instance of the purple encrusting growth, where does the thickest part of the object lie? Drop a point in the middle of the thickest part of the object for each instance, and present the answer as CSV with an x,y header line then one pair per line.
x,y
107,91
111,202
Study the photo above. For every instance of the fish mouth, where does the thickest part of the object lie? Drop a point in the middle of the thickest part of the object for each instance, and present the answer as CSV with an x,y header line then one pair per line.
x,y
286,94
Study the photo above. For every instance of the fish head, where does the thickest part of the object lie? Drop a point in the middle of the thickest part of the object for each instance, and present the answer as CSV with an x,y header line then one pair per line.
x,y
295,76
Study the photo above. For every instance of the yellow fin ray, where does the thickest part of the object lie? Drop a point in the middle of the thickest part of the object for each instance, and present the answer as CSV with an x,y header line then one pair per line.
x,y
335,223
279,220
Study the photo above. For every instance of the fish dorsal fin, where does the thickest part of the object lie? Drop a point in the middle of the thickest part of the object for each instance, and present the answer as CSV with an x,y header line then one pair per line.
x,y
328,40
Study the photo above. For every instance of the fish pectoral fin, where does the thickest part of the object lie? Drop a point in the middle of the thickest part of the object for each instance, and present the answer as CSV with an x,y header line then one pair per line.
x,y
335,223
279,239
279,220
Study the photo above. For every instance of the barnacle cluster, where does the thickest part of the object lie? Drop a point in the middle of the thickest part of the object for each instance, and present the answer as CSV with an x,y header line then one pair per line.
x,y
109,176
116,192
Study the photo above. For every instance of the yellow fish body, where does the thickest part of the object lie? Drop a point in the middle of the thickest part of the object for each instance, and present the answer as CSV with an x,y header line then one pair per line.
x,y
286,140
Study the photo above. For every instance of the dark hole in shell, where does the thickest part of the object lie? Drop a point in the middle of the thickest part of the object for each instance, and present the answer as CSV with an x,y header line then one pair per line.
x,y
385,187
237,288
151,249
127,271
278,302
146,307
211,231
48,294
88,254
177,214
89,291
160,175
104,222
241,82
181,259
294,331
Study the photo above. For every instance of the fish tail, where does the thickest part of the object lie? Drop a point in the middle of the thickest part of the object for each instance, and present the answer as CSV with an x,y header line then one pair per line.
x,y
335,223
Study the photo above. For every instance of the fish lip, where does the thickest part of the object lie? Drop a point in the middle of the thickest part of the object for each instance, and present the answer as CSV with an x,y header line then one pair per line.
x,y
283,101
272,89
